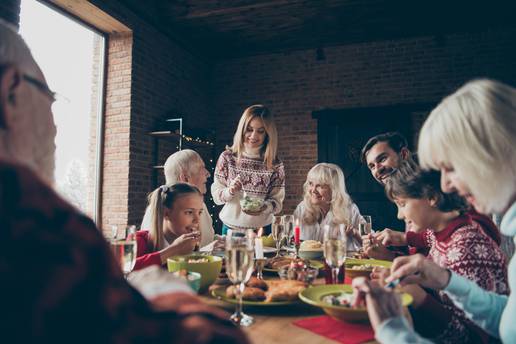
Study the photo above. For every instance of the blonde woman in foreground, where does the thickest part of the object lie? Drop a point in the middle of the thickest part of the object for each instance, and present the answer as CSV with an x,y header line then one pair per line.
x,y
471,138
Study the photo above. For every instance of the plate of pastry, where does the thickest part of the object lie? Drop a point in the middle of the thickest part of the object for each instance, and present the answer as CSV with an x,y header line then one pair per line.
x,y
263,293
276,263
363,267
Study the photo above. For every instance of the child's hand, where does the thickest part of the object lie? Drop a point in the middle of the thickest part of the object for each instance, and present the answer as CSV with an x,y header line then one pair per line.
x,y
388,237
379,274
186,243
374,249
235,185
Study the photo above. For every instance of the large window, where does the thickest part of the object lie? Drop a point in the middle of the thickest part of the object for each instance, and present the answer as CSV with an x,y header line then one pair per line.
x,y
71,56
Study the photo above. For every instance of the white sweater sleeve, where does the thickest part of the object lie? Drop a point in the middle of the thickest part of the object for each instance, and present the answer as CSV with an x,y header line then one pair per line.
x,y
274,200
355,218
219,188
397,330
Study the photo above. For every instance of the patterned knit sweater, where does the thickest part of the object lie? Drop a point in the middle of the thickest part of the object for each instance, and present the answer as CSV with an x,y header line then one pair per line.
x,y
258,181
464,248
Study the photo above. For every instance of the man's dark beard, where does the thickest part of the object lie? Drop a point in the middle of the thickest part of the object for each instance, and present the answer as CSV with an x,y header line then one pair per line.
x,y
386,172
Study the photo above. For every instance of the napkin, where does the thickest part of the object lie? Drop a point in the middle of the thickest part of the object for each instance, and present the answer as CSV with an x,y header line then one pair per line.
x,y
208,248
342,332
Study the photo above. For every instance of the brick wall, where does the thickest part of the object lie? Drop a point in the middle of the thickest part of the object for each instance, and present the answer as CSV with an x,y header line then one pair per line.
x,y
10,11
116,158
360,75
165,81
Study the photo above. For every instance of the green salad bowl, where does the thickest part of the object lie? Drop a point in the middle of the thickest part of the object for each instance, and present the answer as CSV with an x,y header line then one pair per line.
x,y
208,266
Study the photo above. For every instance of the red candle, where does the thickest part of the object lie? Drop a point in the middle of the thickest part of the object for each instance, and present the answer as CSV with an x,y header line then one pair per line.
x,y
297,233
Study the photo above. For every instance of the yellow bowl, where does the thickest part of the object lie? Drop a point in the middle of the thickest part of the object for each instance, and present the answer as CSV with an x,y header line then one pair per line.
x,y
314,296
209,270
352,273
268,241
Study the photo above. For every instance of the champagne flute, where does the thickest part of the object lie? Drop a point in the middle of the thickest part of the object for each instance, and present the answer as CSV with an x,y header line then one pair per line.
x,y
365,227
278,233
288,222
239,267
335,244
125,249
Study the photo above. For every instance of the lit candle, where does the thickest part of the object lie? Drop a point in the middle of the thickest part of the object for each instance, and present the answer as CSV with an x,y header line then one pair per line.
x,y
297,233
258,248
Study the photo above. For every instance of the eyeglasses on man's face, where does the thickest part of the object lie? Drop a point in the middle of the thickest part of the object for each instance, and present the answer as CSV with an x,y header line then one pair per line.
x,y
41,86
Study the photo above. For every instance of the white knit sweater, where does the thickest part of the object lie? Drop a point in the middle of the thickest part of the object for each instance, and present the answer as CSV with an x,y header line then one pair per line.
x,y
257,180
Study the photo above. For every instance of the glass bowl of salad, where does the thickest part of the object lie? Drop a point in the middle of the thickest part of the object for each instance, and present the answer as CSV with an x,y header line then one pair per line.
x,y
251,203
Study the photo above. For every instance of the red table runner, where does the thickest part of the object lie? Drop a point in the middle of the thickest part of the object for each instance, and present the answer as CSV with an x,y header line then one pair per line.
x,y
343,332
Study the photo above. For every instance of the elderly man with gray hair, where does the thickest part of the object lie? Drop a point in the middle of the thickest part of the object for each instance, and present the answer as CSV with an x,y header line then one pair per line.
x,y
187,166
60,281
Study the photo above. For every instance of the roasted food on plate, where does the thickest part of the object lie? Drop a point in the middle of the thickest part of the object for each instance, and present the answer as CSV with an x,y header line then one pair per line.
x,y
269,291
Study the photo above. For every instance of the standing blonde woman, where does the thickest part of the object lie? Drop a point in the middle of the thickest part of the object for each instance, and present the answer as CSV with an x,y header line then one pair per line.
x,y
471,138
250,165
326,202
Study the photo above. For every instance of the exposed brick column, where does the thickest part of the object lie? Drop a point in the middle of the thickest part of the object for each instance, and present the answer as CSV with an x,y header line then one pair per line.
x,y
115,188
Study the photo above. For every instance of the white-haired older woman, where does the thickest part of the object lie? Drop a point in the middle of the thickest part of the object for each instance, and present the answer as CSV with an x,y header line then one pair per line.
x,y
471,138
326,202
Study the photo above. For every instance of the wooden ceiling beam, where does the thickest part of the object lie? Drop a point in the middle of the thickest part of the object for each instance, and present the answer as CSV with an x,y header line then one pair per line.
x,y
92,15
237,9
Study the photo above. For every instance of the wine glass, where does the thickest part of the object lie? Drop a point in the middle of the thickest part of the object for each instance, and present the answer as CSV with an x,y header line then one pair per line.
x,y
334,244
239,267
365,227
288,222
124,249
278,232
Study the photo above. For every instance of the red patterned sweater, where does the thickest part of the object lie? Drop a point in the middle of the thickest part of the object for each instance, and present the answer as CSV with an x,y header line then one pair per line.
x,y
464,248
257,180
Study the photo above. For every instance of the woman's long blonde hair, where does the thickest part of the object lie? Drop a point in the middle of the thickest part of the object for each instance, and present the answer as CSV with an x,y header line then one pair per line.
x,y
164,197
340,205
270,145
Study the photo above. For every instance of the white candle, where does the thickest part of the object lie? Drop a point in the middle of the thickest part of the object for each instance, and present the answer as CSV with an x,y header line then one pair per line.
x,y
258,248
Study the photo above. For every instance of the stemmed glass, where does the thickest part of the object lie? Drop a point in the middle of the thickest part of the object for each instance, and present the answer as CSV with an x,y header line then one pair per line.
x,y
278,232
335,245
365,226
239,267
288,222
124,248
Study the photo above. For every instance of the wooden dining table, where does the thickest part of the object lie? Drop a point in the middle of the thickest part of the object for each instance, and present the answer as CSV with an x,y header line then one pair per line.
x,y
275,324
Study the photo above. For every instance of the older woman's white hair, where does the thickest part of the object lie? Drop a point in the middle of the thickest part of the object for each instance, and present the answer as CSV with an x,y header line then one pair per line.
x,y
473,131
340,205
